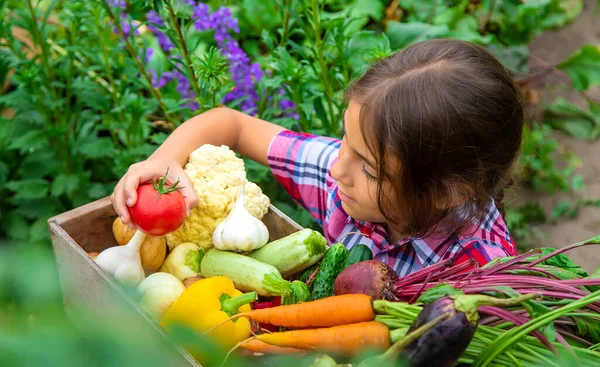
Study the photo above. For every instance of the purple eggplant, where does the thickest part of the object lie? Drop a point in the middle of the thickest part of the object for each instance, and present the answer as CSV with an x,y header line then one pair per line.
x,y
445,343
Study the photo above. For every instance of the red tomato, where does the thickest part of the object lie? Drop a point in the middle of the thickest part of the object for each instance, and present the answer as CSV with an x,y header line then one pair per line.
x,y
158,210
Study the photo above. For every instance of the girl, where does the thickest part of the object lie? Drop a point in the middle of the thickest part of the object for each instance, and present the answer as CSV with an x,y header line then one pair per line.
x,y
430,137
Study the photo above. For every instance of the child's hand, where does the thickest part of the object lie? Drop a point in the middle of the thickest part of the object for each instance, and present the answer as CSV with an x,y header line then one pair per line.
x,y
125,193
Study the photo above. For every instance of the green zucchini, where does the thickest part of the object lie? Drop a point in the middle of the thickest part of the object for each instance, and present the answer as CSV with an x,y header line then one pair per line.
x,y
293,253
246,273
358,253
331,265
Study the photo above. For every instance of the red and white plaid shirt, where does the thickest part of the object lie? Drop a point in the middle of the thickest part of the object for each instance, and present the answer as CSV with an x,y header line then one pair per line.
x,y
301,163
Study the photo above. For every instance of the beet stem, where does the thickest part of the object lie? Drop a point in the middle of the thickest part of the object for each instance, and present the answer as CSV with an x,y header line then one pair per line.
x,y
514,260
517,320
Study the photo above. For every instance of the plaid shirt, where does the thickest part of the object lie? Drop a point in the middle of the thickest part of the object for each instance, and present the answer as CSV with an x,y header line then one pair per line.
x,y
301,163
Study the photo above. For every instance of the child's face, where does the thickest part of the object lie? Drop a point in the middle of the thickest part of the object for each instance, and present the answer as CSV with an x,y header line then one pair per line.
x,y
356,173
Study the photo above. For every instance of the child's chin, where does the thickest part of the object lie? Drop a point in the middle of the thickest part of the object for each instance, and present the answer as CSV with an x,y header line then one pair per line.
x,y
353,212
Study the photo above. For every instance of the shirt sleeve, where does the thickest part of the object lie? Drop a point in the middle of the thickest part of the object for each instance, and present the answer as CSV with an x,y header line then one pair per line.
x,y
300,162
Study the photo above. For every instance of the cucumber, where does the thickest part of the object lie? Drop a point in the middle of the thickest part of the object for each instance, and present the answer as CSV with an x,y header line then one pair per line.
x,y
357,254
331,265
308,272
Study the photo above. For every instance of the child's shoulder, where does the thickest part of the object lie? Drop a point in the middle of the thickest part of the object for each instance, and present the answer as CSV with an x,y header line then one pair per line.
x,y
487,239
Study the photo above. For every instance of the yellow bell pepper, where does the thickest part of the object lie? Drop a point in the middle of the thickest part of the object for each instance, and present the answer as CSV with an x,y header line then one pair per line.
x,y
208,303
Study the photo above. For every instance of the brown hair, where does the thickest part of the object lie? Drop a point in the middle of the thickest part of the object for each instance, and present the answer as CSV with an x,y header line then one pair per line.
x,y
453,116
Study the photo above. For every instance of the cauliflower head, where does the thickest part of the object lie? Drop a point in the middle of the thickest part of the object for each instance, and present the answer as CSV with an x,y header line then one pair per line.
x,y
213,170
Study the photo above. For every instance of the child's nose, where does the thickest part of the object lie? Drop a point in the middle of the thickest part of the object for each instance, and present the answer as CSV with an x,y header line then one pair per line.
x,y
339,172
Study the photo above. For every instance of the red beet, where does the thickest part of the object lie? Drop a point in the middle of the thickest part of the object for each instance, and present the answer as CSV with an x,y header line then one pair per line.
x,y
370,277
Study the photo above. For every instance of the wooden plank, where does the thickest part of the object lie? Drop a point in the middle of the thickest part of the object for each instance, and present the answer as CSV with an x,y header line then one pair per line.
x,y
90,225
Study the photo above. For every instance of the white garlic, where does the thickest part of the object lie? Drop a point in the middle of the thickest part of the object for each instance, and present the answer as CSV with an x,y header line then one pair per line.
x,y
240,231
124,262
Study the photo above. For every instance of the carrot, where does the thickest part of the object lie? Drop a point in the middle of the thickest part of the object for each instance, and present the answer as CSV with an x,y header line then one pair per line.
x,y
324,312
258,346
343,339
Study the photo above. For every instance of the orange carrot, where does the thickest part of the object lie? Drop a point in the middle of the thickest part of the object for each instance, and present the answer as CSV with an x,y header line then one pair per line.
x,y
344,339
258,346
331,311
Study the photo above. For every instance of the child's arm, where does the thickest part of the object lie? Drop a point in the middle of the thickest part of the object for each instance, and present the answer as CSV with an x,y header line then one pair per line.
x,y
246,135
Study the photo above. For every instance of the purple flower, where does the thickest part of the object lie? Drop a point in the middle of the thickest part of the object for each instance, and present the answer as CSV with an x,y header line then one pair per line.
x,y
121,4
126,26
201,17
288,107
163,40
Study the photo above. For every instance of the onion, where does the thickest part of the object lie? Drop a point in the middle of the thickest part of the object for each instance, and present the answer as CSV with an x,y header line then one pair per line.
x,y
370,277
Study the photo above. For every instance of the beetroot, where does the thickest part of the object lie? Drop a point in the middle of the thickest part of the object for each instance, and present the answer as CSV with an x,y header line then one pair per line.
x,y
370,277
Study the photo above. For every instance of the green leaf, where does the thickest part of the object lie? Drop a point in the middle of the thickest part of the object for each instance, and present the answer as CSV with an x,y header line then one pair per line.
x,y
568,117
39,231
31,140
595,239
588,327
561,209
583,67
370,8
64,184
536,309
4,170
439,291
36,188
38,208
404,34
158,138
98,190
562,261
577,183
15,226
256,172
96,148
467,29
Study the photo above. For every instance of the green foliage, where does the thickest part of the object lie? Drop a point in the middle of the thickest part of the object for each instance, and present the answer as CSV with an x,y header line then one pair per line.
x,y
86,104
545,164
578,122
520,220
582,67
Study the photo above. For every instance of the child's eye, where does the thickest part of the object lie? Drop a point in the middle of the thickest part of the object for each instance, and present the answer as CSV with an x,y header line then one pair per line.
x,y
370,177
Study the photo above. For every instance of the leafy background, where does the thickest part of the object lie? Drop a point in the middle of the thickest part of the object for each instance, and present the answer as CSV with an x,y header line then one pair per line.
x,y
88,88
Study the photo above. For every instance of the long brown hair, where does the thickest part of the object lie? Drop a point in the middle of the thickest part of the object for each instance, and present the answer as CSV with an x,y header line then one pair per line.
x,y
453,116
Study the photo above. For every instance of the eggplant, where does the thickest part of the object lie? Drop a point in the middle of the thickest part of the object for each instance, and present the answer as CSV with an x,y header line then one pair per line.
x,y
445,343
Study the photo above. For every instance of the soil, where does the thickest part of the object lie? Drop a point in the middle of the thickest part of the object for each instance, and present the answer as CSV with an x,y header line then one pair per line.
x,y
551,48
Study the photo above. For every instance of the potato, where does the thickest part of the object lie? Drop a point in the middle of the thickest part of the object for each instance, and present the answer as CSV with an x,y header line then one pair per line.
x,y
189,281
152,252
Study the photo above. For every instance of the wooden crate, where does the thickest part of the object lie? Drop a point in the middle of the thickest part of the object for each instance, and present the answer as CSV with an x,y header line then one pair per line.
x,y
86,286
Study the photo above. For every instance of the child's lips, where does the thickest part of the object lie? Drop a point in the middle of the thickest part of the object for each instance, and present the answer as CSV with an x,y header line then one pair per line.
x,y
345,197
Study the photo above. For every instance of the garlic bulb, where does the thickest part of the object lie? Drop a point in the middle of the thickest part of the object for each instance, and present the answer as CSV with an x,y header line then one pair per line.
x,y
240,231
124,262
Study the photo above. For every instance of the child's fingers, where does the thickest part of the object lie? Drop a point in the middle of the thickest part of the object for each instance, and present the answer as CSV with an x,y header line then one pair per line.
x,y
189,194
186,185
118,201
136,175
